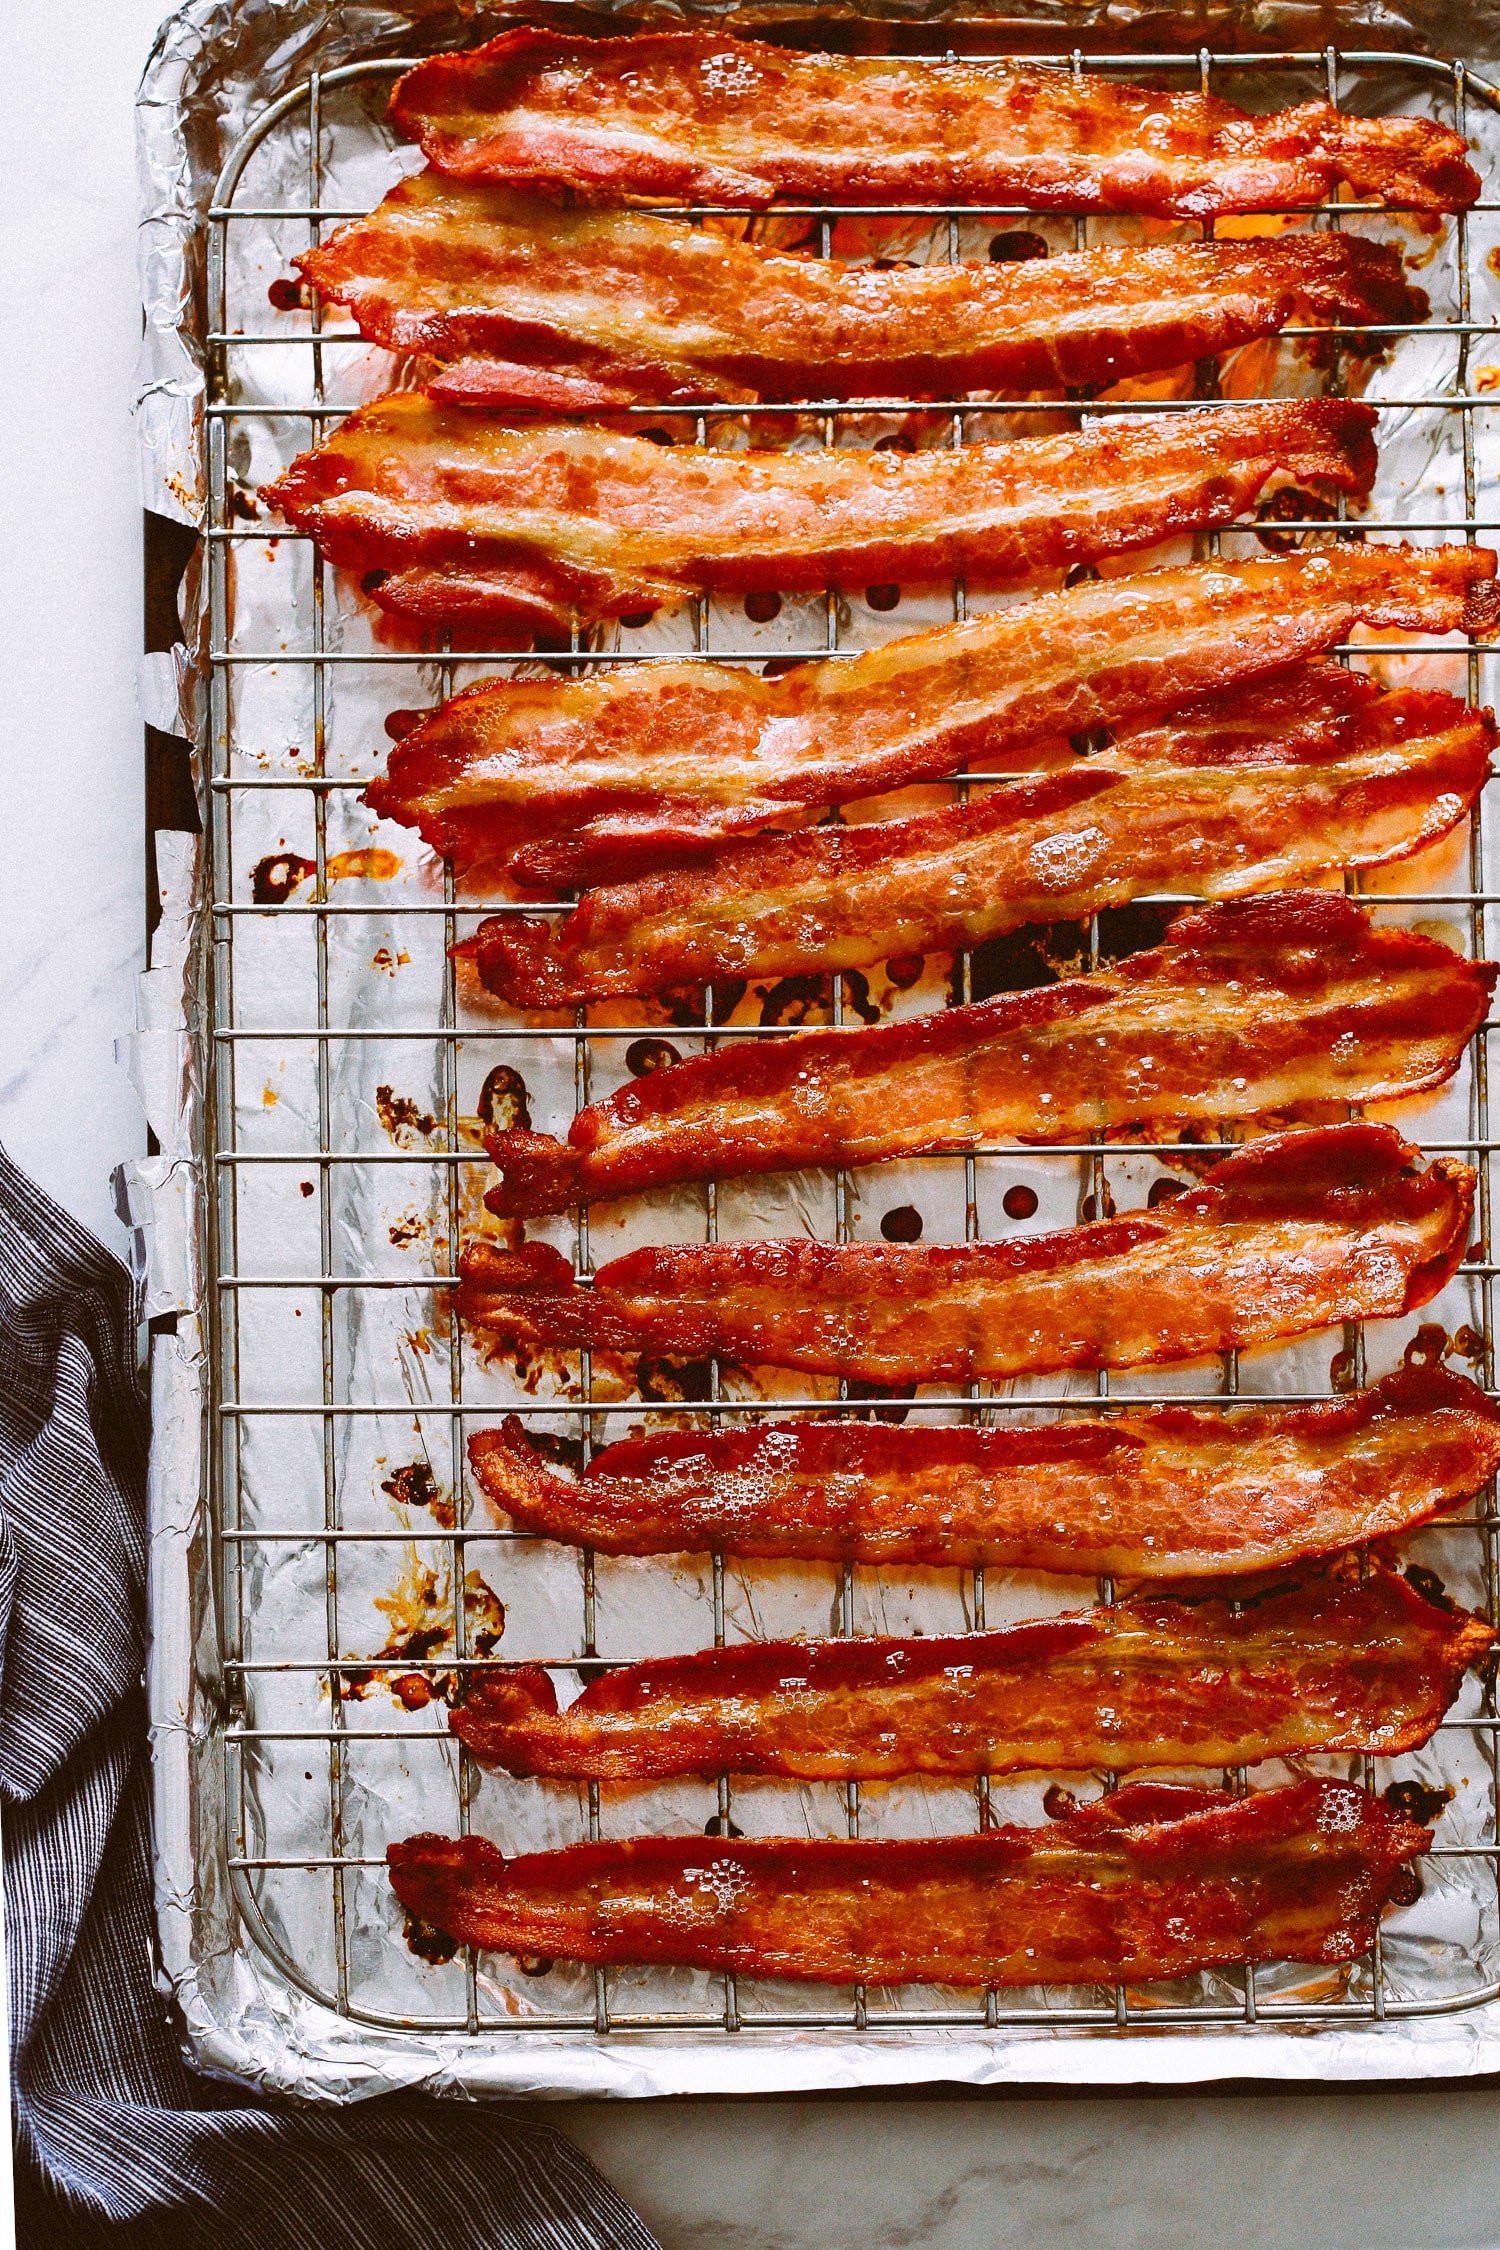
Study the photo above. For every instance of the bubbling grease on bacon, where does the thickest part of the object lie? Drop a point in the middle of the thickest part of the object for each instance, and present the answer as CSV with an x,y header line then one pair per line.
x,y
569,309
458,520
1155,1880
1252,1008
1343,1659
1295,1233
1167,1492
700,115
565,781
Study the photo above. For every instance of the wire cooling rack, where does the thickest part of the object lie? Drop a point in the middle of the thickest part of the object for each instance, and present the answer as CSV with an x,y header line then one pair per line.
x,y
296,1210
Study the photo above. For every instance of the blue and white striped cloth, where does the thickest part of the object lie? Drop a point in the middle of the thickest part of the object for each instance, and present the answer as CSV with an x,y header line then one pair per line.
x,y
117,2141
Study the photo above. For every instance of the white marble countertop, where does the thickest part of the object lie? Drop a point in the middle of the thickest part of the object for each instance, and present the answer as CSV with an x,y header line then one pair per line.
x,y
1411,2169
70,593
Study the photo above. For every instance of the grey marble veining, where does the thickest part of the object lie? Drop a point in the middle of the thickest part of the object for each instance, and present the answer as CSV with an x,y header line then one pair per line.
x,y
1411,2169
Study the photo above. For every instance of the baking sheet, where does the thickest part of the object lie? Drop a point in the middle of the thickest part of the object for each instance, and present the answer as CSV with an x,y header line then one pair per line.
x,y
278,1978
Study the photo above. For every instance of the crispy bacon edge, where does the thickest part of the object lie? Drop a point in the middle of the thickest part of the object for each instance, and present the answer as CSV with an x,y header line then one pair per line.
x,y
447,572
736,322
858,1096
897,1311
1155,1880
559,825
1342,1659
1104,147
1017,1495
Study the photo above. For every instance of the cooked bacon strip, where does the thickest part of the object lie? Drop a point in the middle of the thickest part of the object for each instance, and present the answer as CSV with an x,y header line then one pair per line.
x,y
1153,1881
473,522
1253,792
1160,1492
1251,1009
595,777
1294,1233
700,115
1339,1660
565,309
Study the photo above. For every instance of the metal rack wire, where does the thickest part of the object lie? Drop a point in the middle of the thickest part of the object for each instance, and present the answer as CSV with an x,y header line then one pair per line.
x,y
302,111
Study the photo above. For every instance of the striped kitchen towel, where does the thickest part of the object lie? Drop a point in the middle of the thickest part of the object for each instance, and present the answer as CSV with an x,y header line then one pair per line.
x,y
118,2142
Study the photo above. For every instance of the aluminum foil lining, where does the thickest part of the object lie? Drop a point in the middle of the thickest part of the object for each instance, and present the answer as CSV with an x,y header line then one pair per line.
x,y
243,2016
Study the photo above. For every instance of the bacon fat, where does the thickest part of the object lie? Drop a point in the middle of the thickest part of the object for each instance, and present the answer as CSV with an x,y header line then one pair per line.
x,y
1256,1008
703,116
1163,1492
1151,1881
1297,1232
1315,770
1341,1660
569,309
457,519
585,779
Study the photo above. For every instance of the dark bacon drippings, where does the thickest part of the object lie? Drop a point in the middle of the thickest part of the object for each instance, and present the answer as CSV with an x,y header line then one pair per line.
x,y
474,523
1255,1008
1152,1881
1341,1660
1163,1492
1298,1232
701,116
576,780
569,309
1315,770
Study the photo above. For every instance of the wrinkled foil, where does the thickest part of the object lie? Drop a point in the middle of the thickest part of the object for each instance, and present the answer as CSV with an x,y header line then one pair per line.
x,y
250,1988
